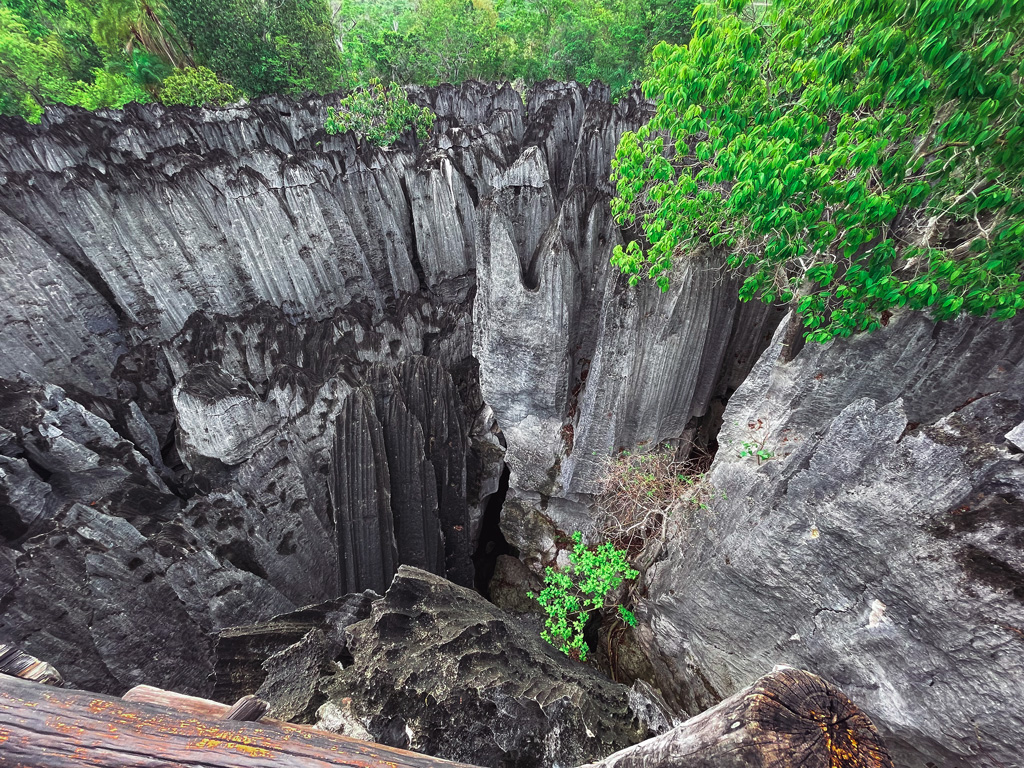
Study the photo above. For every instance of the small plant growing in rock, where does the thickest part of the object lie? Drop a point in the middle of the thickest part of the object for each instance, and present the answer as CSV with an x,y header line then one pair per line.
x,y
755,446
641,492
379,114
569,596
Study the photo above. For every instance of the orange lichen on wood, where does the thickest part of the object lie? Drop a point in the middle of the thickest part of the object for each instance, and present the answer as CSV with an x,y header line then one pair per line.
x,y
243,748
786,718
49,728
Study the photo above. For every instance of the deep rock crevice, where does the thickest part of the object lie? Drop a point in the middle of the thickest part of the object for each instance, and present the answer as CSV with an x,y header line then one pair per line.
x,y
280,358
249,366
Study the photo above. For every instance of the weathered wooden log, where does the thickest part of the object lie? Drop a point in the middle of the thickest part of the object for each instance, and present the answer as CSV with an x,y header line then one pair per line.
x,y
45,727
14,661
786,718
248,708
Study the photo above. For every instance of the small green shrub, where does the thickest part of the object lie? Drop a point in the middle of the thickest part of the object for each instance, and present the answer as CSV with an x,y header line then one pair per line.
x,y
197,87
569,596
380,115
755,446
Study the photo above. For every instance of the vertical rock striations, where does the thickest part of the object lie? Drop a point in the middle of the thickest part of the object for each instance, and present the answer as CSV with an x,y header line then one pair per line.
x,y
361,498
879,545
273,364
54,325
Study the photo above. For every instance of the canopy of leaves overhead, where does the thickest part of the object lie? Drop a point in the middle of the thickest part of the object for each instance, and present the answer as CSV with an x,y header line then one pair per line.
x,y
848,156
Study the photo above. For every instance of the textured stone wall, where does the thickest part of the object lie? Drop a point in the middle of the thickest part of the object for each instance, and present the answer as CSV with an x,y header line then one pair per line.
x,y
267,364
881,544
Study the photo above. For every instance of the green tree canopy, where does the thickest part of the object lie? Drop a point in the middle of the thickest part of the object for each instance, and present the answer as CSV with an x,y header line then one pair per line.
x,y
122,26
196,87
282,47
849,156
36,68
108,52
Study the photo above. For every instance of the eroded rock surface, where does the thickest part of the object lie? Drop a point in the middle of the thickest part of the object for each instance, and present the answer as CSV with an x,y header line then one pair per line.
x,y
440,670
283,659
249,366
881,544
286,362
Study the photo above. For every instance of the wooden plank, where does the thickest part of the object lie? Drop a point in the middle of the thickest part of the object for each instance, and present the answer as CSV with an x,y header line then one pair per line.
x,y
44,727
147,694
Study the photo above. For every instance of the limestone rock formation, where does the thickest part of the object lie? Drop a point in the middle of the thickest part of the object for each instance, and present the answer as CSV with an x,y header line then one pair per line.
x,y
54,325
248,366
245,338
282,659
440,670
880,545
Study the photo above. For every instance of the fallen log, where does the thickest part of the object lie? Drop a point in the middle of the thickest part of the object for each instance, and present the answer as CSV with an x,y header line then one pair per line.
x,y
786,718
14,661
43,727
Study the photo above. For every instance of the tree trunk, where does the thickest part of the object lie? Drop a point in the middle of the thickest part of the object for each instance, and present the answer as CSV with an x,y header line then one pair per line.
x,y
793,339
45,727
787,718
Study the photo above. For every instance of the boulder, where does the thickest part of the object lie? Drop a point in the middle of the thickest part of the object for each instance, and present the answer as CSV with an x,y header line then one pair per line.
x,y
438,669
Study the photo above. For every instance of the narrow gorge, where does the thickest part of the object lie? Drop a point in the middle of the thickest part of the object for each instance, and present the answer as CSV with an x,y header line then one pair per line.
x,y
249,367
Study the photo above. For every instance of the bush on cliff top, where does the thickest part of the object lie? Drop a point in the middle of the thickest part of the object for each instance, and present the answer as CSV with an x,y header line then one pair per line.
x,y
379,115
845,156
197,87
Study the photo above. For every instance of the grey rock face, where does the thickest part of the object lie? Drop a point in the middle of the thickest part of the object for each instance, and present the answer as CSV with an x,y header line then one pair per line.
x,y
54,325
440,670
266,338
282,660
881,545
107,570
574,363
362,497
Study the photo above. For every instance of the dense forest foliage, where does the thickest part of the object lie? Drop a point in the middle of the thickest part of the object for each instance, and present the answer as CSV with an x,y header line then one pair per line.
x,y
106,53
846,156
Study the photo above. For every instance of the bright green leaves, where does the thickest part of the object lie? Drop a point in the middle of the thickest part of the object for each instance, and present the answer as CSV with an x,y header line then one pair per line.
x,y
197,87
569,597
852,156
380,115
43,56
